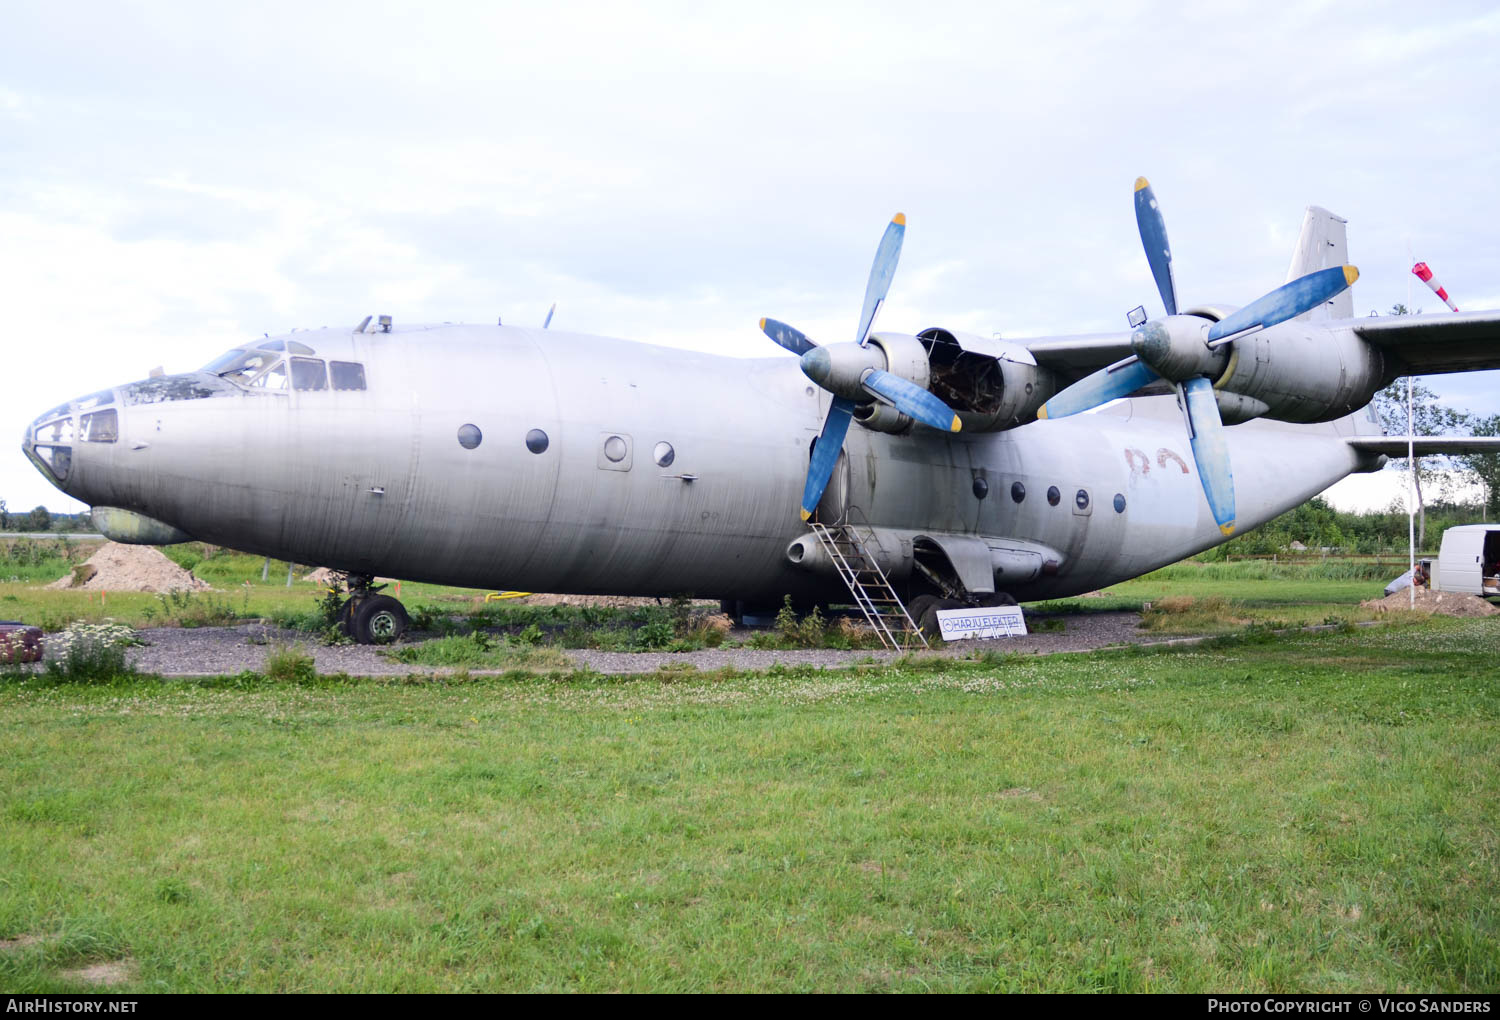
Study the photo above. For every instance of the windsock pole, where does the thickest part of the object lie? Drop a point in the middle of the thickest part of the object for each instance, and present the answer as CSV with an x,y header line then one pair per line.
x,y
1425,275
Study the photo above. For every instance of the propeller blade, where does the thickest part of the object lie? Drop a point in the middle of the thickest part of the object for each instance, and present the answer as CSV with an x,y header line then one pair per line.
x,y
1118,380
792,339
1154,239
881,272
1287,301
825,454
548,320
1210,451
911,400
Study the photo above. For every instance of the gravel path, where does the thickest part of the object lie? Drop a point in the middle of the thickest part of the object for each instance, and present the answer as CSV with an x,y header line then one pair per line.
x,y
216,651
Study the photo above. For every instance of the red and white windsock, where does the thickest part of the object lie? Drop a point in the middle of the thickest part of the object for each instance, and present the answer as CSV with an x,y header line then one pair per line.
x,y
1425,275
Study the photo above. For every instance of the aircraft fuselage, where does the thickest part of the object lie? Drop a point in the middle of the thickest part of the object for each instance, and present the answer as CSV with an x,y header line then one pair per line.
x,y
610,467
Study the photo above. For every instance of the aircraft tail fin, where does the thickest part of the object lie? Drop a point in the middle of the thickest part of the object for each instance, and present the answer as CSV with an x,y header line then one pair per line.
x,y
1322,245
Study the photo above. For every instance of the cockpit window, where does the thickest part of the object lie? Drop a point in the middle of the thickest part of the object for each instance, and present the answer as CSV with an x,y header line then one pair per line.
x,y
223,361
59,431
291,346
94,400
347,375
247,366
309,374
100,427
273,378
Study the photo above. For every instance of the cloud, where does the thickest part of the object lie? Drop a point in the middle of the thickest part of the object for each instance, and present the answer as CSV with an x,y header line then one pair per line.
x,y
177,177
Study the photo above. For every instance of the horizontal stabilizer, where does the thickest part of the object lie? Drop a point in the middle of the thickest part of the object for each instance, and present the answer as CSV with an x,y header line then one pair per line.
x,y
1426,446
1429,344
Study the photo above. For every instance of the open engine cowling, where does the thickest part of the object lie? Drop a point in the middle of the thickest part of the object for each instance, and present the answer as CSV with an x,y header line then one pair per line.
x,y
993,384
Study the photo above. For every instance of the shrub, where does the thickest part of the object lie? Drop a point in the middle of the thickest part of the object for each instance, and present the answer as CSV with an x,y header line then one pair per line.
x,y
656,633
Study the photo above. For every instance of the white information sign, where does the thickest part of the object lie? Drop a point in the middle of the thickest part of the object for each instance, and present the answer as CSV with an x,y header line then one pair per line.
x,y
997,621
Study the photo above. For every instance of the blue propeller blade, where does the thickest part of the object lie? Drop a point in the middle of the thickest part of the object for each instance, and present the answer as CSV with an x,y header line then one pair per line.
x,y
1210,451
1154,238
792,339
1287,301
826,454
548,321
1099,388
911,400
881,272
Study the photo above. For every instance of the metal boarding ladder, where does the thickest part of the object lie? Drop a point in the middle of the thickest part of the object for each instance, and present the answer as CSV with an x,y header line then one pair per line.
x,y
871,589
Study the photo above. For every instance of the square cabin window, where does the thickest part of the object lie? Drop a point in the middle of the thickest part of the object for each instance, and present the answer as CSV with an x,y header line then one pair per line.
x,y
100,427
347,375
309,374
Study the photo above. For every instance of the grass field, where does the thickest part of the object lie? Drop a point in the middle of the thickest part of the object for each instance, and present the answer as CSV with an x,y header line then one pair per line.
x,y
1227,597
1315,812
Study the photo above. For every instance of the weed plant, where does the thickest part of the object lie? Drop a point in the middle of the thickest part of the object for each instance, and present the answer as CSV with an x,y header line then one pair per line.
x,y
90,653
291,664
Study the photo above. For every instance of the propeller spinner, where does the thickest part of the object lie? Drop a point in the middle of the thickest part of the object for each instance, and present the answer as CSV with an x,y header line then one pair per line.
x,y
819,364
1186,351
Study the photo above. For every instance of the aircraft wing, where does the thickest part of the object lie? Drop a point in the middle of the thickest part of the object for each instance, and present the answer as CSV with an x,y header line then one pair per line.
x,y
1079,355
1426,446
1431,344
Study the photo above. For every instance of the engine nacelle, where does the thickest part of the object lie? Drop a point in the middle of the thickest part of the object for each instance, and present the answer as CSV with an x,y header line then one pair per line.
x,y
1295,371
1303,372
993,384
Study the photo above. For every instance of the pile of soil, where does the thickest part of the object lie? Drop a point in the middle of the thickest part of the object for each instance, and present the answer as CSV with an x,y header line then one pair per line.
x,y
1444,603
327,576
117,567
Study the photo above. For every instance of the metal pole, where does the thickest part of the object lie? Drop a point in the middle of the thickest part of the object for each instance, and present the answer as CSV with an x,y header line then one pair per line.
x,y
1411,492
289,575
265,570
1411,500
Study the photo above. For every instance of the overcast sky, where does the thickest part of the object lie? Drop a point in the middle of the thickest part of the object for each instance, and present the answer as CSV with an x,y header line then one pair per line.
x,y
176,177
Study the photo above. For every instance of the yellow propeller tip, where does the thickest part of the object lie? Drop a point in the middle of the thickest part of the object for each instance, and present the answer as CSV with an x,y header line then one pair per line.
x,y
1041,413
1350,274
806,514
1141,182
899,219
1227,529
956,424
763,322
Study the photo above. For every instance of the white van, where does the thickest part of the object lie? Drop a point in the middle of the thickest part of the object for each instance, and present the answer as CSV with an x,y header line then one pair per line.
x,y
1469,560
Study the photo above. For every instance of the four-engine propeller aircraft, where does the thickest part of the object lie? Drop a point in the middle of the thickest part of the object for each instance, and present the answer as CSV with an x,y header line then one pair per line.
x,y
487,456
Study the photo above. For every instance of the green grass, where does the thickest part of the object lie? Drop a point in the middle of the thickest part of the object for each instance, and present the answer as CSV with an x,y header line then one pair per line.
x,y
475,649
1317,812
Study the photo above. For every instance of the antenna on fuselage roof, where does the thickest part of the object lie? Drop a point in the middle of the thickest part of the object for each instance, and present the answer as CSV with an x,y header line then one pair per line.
x,y
363,323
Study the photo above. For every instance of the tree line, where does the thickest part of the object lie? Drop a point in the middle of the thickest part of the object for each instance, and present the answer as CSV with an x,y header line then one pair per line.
x,y
41,519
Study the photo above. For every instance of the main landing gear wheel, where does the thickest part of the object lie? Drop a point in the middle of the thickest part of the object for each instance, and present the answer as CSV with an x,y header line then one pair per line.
x,y
928,622
377,620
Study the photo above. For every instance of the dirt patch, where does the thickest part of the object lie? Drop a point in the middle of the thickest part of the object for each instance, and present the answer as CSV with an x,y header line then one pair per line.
x,y
117,567
110,972
329,576
19,942
1443,603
